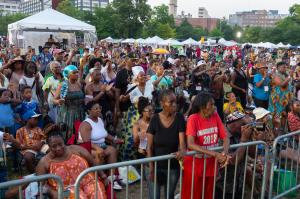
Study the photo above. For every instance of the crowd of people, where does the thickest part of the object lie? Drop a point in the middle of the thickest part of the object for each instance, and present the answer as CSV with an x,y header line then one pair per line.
x,y
65,110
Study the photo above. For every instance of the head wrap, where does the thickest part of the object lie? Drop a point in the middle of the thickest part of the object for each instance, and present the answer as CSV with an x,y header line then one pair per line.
x,y
65,84
136,71
68,69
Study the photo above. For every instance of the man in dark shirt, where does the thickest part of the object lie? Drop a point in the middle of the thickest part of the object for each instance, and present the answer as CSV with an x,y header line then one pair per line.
x,y
123,79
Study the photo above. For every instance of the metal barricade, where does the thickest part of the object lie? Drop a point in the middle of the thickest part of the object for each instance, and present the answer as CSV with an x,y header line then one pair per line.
x,y
22,182
240,148
285,155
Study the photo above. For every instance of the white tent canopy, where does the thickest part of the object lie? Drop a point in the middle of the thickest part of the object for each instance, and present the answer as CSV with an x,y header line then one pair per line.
x,y
50,21
140,41
128,41
227,43
191,42
108,39
153,40
170,42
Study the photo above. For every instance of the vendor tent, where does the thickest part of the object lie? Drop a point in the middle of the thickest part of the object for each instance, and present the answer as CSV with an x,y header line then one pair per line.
x,y
153,40
170,42
191,42
45,23
108,39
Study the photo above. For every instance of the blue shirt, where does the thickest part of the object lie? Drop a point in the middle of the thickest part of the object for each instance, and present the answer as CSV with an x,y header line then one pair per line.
x,y
262,92
6,115
27,106
165,83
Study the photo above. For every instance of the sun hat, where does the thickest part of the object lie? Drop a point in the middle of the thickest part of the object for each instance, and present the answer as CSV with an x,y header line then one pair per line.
x,y
260,113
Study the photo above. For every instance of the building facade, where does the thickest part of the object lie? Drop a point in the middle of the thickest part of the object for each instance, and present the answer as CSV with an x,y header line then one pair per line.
x,y
184,15
90,5
203,13
256,18
9,7
34,6
206,23
173,8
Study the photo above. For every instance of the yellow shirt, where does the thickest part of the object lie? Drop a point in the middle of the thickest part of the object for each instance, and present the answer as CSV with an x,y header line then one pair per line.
x,y
237,107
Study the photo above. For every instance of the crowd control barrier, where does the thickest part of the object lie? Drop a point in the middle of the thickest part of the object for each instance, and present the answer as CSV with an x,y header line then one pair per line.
x,y
244,148
39,179
285,166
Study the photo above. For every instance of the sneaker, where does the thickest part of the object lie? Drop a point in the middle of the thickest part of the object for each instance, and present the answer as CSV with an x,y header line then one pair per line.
x,y
116,186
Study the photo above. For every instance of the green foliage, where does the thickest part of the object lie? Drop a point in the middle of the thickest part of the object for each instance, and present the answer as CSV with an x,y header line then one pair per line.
x,y
198,33
66,7
184,30
8,19
161,15
132,15
216,33
165,31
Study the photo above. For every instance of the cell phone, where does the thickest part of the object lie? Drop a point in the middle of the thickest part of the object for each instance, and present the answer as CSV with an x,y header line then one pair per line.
x,y
257,125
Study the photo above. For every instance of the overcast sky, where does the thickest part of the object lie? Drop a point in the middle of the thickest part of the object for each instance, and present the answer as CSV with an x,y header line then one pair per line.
x,y
221,8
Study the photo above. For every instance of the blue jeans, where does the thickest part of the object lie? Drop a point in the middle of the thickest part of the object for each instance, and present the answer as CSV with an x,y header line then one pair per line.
x,y
162,173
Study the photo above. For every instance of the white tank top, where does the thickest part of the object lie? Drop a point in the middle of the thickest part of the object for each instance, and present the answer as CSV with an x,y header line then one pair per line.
x,y
98,133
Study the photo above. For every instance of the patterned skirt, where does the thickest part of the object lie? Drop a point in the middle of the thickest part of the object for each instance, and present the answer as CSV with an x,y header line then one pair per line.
x,y
127,150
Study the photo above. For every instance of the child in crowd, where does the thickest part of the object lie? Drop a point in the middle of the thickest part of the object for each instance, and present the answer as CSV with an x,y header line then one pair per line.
x,y
232,105
27,104
7,102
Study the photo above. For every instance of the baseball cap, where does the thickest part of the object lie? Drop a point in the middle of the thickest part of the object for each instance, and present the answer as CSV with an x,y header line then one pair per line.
x,y
30,114
57,51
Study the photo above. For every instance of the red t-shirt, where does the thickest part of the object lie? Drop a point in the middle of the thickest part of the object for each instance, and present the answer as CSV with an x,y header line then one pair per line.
x,y
207,132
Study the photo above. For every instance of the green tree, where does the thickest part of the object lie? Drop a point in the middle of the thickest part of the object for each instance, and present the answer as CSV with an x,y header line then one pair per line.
x,y
165,31
216,33
107,22
8,19
161,15
226,29
66,7
160,18
198,33
133,15
184,30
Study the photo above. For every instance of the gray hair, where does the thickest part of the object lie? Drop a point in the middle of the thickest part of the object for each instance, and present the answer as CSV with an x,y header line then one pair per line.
x,y
54,63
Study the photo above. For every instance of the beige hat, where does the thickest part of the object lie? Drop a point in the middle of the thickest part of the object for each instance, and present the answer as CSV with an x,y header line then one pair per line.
x,y
260,113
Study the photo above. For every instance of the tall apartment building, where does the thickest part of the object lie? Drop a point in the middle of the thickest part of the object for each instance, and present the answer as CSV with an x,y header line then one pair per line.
x,y
34,6
173,8
9,7
256,18
90,5
203,13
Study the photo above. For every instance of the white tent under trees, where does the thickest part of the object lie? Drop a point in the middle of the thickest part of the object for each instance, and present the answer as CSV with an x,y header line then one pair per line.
x,y
191,42
35,30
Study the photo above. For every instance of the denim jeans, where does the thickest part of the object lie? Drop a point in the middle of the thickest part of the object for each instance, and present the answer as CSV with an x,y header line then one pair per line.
x,y
162,173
